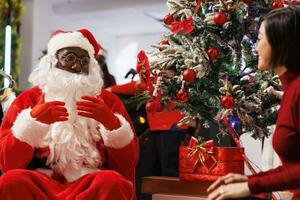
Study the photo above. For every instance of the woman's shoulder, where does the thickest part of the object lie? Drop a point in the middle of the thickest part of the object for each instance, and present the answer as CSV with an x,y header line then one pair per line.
x,y
293,91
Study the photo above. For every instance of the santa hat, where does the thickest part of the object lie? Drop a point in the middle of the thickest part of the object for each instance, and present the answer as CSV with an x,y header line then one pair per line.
x,y
82,38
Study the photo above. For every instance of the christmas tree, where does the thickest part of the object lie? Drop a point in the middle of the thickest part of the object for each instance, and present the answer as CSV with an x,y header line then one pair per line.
x,y
207,64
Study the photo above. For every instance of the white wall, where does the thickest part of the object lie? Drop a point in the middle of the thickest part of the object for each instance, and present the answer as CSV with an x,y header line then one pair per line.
x,y
127,48
115,29
35,32
26,32
253,151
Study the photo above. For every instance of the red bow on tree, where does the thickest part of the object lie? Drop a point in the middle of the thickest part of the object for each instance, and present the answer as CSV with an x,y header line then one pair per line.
x,y
143,68
186,25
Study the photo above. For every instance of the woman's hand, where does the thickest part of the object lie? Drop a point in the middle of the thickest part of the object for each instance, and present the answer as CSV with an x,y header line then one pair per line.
x,y
227,179
230,191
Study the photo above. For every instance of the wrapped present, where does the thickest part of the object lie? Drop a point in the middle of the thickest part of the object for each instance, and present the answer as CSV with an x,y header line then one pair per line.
x,y
202,161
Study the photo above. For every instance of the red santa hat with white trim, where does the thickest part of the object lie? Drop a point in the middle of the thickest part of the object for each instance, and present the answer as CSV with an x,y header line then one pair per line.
x,y
82,38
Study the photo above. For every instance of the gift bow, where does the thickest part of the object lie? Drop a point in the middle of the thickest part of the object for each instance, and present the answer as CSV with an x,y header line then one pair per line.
x,y
205,150
186,25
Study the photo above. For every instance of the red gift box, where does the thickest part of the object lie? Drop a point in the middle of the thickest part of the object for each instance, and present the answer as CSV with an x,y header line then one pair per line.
x,y
204,162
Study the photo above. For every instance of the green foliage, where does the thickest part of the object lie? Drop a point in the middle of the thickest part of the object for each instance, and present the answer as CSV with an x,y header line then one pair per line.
x,y
13,14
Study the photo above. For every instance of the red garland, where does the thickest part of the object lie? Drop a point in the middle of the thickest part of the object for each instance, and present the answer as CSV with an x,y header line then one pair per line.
x,y
197,7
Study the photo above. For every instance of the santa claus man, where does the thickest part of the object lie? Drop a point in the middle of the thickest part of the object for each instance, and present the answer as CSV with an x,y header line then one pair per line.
x,y
65,138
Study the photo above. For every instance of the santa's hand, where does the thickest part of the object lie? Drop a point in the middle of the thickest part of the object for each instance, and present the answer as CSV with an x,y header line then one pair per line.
x,y
96,109
49,112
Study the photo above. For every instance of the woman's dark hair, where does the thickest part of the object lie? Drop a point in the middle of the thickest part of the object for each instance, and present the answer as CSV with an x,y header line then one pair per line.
x,y
283,32
108,79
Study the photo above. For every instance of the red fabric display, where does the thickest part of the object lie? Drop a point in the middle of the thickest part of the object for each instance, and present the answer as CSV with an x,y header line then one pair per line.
x,y
130,88
96,109
204,162
49,112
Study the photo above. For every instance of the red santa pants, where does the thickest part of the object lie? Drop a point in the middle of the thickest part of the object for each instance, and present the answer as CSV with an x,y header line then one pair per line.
x,y
33,185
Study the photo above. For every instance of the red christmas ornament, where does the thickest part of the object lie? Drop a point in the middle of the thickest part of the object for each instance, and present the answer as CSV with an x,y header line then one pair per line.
x,y
277,4
168,19
294,2
151,108
248,1
213,53
227,102
182,95
189,75
220,18
164,42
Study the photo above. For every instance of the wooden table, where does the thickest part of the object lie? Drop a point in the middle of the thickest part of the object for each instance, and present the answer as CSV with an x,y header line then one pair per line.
x,y
172,188
175,187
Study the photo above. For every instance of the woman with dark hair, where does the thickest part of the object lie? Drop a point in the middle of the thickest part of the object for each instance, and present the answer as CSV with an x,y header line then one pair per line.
x,y
278,50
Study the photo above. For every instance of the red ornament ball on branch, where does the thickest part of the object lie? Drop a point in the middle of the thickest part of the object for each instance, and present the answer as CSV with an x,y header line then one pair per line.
x,y
150,107
213,53
220,18
248,1
164,42
277,4
168,19
227,102
182,95
189,75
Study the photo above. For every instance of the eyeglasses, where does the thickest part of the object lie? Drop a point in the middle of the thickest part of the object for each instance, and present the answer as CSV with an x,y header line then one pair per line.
x,y
71,59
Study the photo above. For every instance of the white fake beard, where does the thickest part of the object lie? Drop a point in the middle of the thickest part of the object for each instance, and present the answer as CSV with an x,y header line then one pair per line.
x,y
72,143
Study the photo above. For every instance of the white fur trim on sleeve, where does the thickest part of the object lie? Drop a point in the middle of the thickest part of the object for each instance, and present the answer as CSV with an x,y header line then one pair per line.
x,y
29,130
117,138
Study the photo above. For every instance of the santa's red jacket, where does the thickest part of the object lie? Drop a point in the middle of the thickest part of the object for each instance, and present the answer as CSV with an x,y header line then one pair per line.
x,y
20,136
